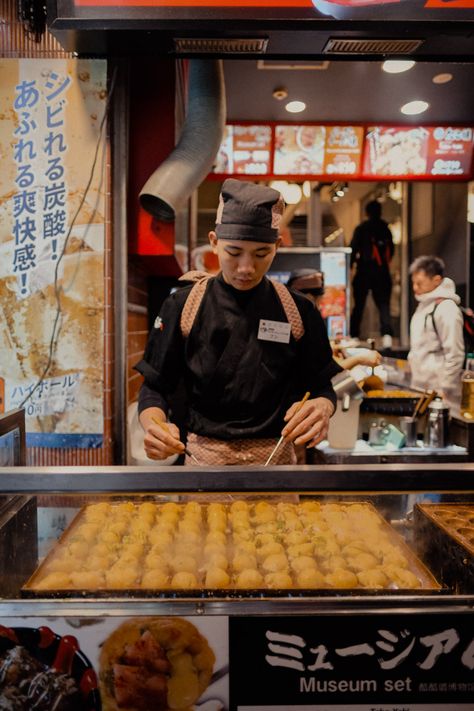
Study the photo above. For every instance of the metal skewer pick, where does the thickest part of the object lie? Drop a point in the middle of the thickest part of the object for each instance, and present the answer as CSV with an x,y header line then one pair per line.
x,y
165,427
280,441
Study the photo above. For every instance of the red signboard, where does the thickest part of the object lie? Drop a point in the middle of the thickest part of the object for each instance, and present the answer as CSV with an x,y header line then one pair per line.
x,y
245,150
338,9
321,152
417,152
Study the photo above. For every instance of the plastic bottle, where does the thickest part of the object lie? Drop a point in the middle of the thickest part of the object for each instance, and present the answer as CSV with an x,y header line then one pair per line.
x,y
467,395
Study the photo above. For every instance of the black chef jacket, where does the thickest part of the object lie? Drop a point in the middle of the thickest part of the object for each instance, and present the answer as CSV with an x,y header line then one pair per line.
x,y
237,385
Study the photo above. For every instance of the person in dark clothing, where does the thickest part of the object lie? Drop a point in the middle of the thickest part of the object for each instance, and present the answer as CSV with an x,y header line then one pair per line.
x,y
247,349
372,251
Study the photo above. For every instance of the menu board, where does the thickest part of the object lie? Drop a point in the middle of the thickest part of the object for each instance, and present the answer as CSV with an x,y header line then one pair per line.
x,y
245,150
419,151
339,151
343,150
299,150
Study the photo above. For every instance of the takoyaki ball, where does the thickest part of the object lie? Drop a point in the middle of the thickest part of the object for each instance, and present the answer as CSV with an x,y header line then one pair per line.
x,y
140,528
63,564
269,549
242,534
239,505
87,531
352,549
343,536
126,509
184,563
97,512
110,537
239,518
325,548
245,547
127,560
285,507
294,538
300,549
155,561
98,562
54,581
270,527
274,563
87,579
401,577
310,578
241,561
216,537
310,506
154,579
395,558
374,578
216,578
186,549
169,507
341,578
278,581
263,515
249,579
118,527
134,548
120,578
189,526
292,524
147,508
363,561
161,538
332,563
303,562
263,539
78,547
184,581
102,549
211,549
193,507
217,560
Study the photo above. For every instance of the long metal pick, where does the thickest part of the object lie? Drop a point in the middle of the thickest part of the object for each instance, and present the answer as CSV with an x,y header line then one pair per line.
x,y
279,443
165,427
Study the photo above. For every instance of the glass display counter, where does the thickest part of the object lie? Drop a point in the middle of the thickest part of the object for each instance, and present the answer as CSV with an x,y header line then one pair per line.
x,y
238,588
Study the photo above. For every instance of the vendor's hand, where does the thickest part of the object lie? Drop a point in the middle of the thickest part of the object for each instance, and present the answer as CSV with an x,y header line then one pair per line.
x,y
161,440
371,358
309,425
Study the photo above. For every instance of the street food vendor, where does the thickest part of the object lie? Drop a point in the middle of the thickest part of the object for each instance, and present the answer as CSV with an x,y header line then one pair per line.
x,y
246,348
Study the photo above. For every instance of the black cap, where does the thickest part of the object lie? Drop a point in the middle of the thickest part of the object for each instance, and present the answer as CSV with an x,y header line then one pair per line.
x,y
307,281
248,211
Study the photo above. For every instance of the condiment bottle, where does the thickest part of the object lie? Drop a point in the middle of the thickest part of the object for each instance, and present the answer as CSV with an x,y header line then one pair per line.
x,y
467,395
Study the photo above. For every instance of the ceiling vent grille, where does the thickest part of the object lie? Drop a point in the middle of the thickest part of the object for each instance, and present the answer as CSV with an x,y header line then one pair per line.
x,y
295,65
193,45
372,46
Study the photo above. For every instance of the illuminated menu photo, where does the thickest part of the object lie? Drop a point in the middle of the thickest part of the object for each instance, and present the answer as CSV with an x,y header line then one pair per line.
x,y
245,150
418,152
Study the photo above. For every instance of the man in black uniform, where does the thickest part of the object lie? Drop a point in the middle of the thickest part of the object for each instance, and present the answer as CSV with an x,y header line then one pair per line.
x,y
372,251
247,349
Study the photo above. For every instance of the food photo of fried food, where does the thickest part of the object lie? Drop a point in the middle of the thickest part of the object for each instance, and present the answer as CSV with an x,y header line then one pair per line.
x,y
159,663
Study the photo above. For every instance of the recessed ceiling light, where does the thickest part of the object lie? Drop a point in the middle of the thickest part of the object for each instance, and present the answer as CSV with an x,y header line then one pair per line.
x,y
295,107
442,78
397,66
414,107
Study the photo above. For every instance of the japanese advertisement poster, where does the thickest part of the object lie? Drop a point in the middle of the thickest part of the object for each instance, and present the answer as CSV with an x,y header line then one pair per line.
x,y
52,226
358,662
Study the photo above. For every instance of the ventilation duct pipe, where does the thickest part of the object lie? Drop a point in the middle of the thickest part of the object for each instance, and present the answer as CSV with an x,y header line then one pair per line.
x,y
172,183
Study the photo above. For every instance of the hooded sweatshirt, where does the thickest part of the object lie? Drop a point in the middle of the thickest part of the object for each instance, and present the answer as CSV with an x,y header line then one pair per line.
x,y
436,357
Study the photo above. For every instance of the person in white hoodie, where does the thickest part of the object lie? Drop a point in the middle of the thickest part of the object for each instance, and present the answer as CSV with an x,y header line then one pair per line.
x,y
436,354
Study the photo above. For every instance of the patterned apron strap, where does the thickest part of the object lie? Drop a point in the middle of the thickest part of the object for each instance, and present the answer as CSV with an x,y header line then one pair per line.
x,y
193,302
290,309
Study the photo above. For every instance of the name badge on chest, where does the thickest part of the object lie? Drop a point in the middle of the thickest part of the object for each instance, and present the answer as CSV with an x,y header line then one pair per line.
x,y
278,331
